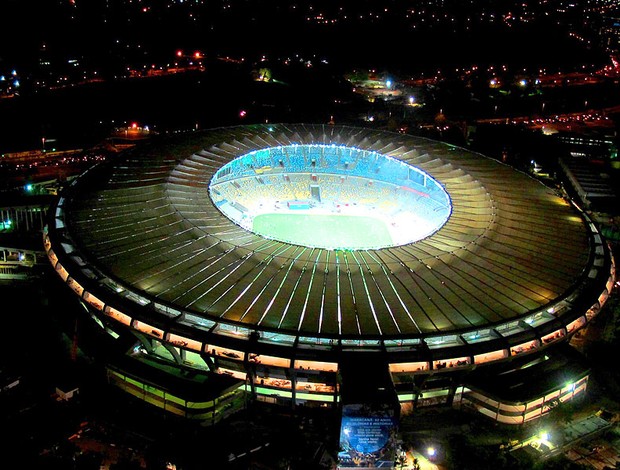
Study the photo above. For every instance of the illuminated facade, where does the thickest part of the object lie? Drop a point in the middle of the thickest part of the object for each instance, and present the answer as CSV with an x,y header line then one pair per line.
x,y
514,271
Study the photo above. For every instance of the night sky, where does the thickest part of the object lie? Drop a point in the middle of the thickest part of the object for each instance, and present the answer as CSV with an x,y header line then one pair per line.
x,y
385,33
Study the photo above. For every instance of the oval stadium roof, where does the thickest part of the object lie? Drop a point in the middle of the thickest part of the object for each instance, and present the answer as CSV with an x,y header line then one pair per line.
x,y
511,246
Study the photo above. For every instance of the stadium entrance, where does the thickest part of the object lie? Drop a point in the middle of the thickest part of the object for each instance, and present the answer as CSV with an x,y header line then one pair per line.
x,y
370,414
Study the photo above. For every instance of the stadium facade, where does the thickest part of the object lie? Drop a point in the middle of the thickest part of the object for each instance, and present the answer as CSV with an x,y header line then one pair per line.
x,y
199,312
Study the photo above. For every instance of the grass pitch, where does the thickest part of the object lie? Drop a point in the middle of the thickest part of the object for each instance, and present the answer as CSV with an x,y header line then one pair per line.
x,y
324,231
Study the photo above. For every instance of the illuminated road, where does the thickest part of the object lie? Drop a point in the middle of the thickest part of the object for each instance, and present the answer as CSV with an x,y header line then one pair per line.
x,y
577,116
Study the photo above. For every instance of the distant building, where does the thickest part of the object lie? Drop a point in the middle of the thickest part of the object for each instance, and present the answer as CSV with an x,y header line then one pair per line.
x,y
593,145
610,33
67,392
8,380
590,183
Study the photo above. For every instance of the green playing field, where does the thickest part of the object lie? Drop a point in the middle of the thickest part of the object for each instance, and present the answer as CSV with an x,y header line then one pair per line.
x,y
324,231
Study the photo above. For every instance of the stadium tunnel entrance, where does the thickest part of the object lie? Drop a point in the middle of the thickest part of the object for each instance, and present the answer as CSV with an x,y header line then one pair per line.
x,y
370,413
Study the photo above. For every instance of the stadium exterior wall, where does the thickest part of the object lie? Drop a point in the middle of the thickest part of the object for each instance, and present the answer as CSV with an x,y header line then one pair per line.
x,y
302,368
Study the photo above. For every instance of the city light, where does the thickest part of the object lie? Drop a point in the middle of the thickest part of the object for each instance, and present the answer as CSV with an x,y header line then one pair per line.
x,y
267,292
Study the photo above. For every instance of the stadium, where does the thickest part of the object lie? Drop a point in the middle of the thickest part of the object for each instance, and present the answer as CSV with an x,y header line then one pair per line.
x,y
315,265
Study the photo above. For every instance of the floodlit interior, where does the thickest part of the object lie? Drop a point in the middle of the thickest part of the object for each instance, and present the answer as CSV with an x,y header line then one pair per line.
x,y
330,196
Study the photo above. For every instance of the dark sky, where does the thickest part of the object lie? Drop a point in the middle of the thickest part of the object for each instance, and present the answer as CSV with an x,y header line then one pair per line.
x,y
111,35
111,30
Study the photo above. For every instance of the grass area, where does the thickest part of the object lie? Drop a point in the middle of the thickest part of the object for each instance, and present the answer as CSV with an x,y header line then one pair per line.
x,y
325,231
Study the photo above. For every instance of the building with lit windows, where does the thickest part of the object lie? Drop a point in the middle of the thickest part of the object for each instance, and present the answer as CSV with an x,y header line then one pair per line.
x,y
301,264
